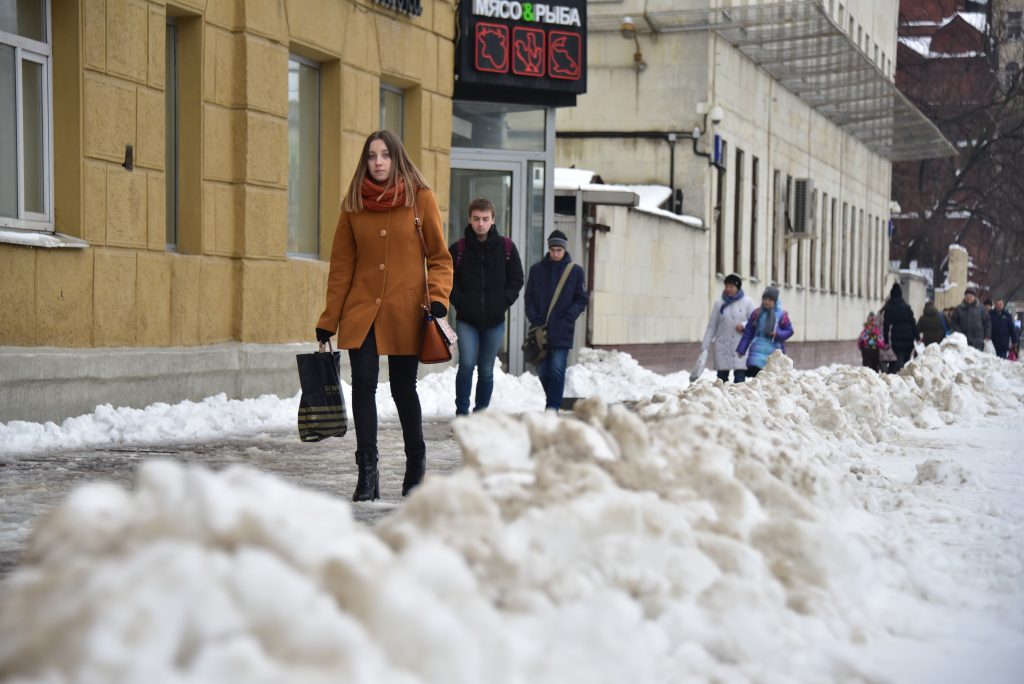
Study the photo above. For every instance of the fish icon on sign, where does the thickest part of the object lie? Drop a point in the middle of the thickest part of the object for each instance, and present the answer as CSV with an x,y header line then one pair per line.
x,y
564,56
528,52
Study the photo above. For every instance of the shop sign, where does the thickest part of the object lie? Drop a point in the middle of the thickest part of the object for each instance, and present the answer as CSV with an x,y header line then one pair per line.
x,y
511,51
411,7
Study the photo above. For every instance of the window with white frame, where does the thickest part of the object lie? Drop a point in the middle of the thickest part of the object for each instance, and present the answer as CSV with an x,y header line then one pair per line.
x,y
392,109
26,128
303,156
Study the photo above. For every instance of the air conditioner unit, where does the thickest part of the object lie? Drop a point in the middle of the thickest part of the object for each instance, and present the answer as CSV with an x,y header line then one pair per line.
x,y
802,220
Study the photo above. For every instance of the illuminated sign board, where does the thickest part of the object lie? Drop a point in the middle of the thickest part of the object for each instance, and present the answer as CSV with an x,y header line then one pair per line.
x,y
528,52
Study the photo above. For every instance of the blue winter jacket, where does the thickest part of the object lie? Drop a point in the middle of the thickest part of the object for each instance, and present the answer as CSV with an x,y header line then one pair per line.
x,y
540,288
1004,332
757,338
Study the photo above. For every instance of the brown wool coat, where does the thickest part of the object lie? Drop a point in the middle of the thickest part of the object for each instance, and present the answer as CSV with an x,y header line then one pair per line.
x,y
376,276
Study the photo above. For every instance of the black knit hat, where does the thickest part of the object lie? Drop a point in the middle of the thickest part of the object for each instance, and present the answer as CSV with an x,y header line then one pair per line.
x,y
733,279
558,239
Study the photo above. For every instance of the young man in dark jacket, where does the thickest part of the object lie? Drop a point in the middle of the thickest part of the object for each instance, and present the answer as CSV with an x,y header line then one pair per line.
x,y
572,301
899,327
970,319
488,278
1004,332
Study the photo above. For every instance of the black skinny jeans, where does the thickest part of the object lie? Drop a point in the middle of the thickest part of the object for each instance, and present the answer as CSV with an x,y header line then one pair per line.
x,y
402,371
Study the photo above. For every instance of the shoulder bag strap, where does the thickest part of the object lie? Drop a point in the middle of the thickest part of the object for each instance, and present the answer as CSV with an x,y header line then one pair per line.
x,y
423,248
558,290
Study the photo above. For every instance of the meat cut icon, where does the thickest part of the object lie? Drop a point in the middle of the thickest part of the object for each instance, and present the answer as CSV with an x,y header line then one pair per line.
x,y
491,48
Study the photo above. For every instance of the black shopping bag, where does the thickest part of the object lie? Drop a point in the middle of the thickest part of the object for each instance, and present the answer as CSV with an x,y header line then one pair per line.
x,y
322,405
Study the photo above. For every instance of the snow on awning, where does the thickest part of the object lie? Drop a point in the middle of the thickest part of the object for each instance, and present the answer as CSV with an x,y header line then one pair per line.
x,y
799,44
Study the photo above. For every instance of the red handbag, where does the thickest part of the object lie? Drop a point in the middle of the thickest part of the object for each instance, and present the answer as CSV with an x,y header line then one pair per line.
x,y
438,337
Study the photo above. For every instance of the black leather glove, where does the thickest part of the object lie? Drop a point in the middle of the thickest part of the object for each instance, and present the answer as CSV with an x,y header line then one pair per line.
x,y
438,310
323,336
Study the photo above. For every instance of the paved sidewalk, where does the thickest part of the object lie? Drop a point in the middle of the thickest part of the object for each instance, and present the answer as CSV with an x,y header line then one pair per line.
x,y
31,486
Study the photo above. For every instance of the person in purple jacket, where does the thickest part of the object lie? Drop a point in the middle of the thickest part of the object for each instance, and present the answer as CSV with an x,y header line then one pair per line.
x,y
767,329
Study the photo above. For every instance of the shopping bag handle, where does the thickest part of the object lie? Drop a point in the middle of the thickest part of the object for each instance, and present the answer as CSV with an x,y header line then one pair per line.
x,y
328,345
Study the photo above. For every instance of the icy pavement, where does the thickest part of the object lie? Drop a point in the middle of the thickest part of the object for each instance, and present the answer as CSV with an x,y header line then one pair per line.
x,y
33,484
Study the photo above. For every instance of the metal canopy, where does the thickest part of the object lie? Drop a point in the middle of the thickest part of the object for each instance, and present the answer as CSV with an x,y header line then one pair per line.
x,y
799,44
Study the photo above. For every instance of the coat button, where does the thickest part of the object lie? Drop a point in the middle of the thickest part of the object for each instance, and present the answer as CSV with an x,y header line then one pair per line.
x,y
381,267
378,300
383,232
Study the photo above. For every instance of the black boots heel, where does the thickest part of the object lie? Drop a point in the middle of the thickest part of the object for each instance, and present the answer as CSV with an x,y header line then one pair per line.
x,y
415,465
368,484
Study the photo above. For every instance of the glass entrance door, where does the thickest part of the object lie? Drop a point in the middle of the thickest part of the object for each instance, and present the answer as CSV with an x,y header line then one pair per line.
x,y
502,183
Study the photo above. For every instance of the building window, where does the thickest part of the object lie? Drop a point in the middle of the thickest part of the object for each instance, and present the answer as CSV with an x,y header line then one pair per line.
x,y
171,134
392,109
826,243
834,247
788,227
814,248
1015,25
26,123
737,215
778,224
754,174
720,215
303,157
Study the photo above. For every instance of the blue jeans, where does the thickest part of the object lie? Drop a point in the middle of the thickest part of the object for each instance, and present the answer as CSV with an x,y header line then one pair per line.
x,y
552,375
477,349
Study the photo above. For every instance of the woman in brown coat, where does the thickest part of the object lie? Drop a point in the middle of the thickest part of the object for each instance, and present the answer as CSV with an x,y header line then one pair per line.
x,y
376,294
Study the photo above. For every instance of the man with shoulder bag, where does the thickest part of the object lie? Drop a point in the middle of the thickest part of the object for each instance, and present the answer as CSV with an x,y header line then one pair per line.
x,y
556,295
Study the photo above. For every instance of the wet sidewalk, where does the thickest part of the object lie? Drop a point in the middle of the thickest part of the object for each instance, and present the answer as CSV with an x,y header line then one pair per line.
x,y
32,485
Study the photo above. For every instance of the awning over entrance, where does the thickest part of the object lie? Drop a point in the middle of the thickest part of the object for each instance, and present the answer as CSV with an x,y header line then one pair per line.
x,y
799,44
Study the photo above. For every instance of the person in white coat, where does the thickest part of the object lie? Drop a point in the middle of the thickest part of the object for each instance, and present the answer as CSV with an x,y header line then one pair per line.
x,y
729,316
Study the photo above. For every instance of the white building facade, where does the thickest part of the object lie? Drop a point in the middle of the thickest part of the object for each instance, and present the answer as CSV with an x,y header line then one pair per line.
x,y
776,124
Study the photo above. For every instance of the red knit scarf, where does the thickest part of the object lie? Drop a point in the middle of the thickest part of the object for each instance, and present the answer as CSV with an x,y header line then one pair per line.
x,y
377,197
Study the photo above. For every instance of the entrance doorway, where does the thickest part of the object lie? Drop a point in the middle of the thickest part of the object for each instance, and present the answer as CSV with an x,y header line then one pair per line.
x,y
500,182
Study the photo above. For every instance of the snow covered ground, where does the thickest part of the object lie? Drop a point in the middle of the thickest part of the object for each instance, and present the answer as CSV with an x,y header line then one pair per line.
x,y
815,526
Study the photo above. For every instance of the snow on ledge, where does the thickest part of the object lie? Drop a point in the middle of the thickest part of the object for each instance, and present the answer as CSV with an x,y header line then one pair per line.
x,y
29,238
651,196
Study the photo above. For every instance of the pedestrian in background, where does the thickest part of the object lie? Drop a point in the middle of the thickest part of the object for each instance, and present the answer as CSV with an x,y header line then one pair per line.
x,y
375,295
1004,332
870,342
899,328
729,316
767,329
970,319
572,301
930,326
488,278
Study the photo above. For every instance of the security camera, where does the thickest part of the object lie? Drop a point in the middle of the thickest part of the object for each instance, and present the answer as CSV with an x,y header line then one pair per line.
x,y
716,115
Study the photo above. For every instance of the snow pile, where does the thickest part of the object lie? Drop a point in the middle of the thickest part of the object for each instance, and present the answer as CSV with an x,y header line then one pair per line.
x,y
722,533
942,472
613,376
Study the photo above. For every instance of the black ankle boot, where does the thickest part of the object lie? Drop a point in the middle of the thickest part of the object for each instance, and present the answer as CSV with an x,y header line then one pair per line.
x,y
368,484
415,465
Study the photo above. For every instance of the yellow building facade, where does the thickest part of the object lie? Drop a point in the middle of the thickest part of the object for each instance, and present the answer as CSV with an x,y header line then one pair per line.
x,y
172,224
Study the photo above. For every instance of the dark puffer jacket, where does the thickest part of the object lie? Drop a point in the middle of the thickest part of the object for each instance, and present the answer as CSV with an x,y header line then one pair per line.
x,y
1004,332
485,284
899,327
973,322
930,325
540,288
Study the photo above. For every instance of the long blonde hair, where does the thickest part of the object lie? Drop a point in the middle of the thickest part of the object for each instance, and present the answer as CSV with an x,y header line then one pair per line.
x,y
401,167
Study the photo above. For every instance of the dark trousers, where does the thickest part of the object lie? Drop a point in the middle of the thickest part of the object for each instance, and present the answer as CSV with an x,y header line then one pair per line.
x,y
737,375
402,372
869,357
752,371
902,358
